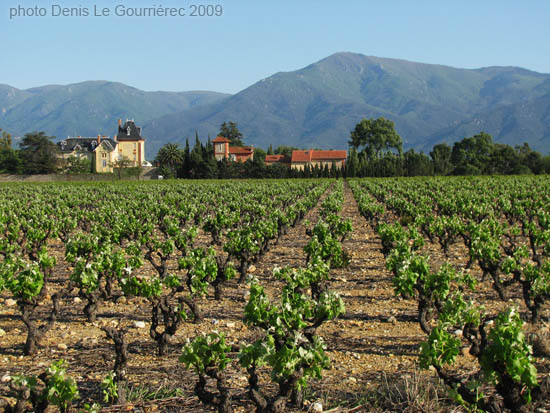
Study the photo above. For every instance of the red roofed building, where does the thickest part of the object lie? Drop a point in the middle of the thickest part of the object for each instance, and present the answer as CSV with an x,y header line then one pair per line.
x,y
272,159
318,158
234,153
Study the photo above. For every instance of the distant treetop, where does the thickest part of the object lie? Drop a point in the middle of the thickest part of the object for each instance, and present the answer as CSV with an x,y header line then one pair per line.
x,y
231,132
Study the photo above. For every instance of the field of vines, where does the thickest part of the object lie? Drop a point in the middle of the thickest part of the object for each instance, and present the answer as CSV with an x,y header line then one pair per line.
x,y
406,294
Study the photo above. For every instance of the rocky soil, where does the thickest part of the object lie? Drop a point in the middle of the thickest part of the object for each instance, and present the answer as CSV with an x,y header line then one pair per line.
x,y
374,345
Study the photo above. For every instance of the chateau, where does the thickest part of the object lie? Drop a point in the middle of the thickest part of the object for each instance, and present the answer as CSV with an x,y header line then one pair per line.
x,y
104,151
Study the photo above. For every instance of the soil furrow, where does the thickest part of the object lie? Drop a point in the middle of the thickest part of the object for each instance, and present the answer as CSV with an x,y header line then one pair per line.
x,y
378,336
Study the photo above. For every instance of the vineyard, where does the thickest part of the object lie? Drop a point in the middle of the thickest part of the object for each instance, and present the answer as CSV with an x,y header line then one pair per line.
x,y
411,294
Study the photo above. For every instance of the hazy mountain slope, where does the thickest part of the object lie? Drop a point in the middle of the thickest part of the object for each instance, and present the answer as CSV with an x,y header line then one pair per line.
x,y
89,108
513,124
318,105
10,97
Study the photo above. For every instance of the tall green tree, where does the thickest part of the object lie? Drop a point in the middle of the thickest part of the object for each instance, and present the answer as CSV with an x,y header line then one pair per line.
x,y
471,156
260,154
504,160
10,163
209,169
352,164
120,165
231,131
377,137
285,150
186,166
170,155
38,153
530,158
225,169
417,164
197,161
5,140
170,159
389,165
209,148
441,158
255,168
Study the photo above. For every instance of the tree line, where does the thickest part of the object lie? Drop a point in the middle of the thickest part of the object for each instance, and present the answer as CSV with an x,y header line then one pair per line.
x,y
376,150
200,163
37,154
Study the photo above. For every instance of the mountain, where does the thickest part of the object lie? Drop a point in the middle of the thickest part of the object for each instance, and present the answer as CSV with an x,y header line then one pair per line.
x,y
319,105
314,107
525,121
89,108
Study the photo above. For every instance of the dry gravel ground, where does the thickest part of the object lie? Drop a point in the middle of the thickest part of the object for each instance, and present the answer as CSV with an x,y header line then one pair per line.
x,y
374,345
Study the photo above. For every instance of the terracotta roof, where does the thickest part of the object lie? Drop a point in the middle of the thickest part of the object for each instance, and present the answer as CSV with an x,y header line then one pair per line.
x,y
301,156
221,139
329,155
241,150
274,158
312,155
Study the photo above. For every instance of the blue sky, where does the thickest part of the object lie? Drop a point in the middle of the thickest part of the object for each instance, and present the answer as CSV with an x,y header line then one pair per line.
x,y
254,39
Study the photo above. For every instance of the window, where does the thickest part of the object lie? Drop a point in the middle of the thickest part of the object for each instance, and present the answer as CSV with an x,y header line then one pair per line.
x,y
220,147
103,155
104,163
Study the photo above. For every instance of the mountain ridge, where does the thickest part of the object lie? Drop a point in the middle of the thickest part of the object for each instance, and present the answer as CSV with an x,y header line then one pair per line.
x,y
315,106
89,108
318,105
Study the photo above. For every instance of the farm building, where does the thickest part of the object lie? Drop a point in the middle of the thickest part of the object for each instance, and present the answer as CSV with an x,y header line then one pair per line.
x,y
273,159
233,153
318,158
313,158
104,151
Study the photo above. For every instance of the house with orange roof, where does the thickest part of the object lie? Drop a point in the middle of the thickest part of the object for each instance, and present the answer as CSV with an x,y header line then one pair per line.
x,y
222,150
273,159
318,158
